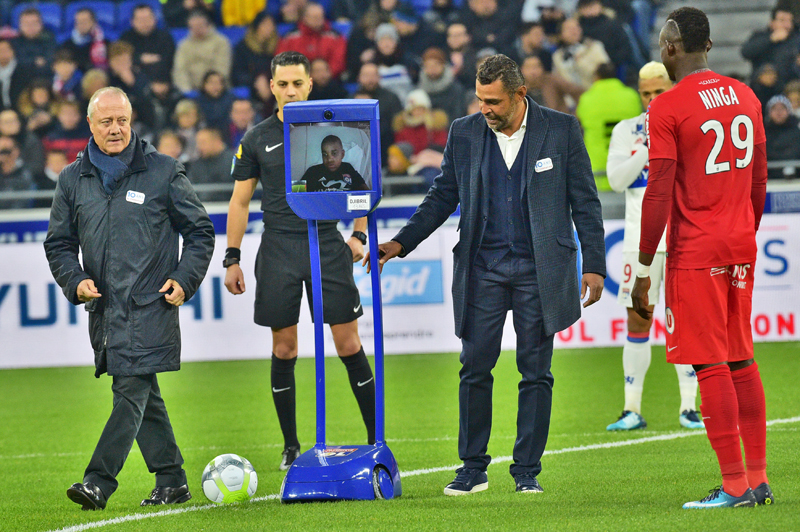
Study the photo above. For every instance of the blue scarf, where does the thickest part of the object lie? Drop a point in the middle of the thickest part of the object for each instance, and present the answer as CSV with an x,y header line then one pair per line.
x,y
111,168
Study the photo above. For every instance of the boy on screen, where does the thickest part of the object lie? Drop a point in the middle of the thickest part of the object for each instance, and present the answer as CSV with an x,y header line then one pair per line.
x,y
333,174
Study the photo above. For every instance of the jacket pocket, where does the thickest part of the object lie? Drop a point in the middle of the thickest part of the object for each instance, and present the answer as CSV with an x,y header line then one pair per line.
x,y
154,322
567,242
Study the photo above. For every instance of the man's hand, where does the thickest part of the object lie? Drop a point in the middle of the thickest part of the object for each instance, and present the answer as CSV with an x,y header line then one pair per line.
x,y
594,283
234,279
641,301
387,250
356,247
778,34
177,296
87,291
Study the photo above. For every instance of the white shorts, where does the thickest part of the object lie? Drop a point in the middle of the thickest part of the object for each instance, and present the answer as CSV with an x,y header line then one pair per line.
x,y
630,262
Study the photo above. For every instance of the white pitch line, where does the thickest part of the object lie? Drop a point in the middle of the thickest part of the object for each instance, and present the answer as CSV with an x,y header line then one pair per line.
x,y
413,473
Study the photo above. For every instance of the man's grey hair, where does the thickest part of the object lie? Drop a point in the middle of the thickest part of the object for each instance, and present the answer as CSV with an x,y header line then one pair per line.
x,y
501,67
105,90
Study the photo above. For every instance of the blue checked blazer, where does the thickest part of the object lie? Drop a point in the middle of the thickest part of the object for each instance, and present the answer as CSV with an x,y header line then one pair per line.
x,y
557,198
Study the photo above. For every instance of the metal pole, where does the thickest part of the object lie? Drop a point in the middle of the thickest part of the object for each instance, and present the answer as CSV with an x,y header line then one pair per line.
x,y
377,313
319,338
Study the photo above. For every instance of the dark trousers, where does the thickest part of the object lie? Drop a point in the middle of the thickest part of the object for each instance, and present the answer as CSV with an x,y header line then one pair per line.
x,y
138,414
510,285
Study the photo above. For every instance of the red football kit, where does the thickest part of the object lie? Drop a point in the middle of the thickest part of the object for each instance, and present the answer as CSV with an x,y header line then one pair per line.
x,y
708,177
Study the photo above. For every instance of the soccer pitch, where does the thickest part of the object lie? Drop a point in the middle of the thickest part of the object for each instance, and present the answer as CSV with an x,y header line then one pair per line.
x,y
593,480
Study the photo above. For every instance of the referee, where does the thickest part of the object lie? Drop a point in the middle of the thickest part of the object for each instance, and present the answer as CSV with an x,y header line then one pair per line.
x,y
283,265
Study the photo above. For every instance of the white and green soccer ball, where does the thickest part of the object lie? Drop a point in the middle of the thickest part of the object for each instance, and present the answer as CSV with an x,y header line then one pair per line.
x,y
229,478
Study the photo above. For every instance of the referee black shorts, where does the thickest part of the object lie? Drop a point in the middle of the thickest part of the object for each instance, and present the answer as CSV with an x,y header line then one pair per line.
x,y
282,268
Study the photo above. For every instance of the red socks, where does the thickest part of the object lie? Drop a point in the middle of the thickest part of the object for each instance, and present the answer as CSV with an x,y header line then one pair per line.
x,y
720,409
752,422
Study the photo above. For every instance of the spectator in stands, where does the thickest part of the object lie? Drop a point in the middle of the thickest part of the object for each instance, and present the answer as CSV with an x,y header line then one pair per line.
x,y
398,159
163,97
14,177
550,13
325,86
394,68
440,15
215,100
491,25
598,26
261,95
416,35
153,48
314,38
777,45
202,50
766,83
385,8
188,122
348,10
369,82
461,54
124,74
242,120
533,41
792,91
31,150
601,107
93,80
438,81
793,6
214,164
783,136
170,143
37,106
34,46
548,88
403,162
419,124
291,11
87,42
577,57
361,43
67,77
177,12
13,76
253,54
70,133
54,162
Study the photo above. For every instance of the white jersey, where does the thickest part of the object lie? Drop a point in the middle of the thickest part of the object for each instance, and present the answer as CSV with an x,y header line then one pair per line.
x,y
627,170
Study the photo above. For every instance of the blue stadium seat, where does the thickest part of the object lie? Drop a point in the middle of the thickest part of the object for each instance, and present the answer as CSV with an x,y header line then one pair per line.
x,y
421,6
243,93
285,27
233,33
125,12
342,28
104,10
51,14
178,34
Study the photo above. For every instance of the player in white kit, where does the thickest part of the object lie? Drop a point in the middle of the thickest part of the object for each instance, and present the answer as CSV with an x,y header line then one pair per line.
x,y
627,171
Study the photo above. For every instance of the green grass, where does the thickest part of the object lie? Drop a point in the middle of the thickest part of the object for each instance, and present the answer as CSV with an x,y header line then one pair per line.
x,y
51,419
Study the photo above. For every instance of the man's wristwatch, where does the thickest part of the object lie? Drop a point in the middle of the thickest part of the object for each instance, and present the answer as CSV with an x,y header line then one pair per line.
x,y
230,261
361,236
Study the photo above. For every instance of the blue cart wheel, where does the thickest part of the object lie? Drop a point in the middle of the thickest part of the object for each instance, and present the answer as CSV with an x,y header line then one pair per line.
x,y
382,483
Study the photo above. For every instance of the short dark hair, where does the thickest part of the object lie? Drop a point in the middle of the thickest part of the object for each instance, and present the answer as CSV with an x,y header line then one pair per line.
x,y
528,26
693,27
605,71
288,59
330,139
500,67
31,11
87,10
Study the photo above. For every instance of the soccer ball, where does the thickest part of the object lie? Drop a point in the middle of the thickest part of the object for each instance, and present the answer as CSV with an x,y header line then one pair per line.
x,y
229,478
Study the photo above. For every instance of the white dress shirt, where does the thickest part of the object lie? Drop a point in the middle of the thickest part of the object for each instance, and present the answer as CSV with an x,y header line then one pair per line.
x,y
510,145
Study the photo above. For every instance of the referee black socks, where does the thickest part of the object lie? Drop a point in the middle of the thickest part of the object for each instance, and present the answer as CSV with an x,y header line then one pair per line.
x,y
283,394
362,381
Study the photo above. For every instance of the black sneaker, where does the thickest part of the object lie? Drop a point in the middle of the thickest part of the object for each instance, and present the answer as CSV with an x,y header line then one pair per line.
x,y
527,483
467,481
288,457
763,494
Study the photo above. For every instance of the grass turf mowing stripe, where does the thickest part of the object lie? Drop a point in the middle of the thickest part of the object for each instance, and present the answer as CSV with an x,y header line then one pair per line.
x,y
416,472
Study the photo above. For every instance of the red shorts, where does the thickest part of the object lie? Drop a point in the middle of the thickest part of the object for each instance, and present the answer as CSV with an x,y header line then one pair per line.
x,y
708,315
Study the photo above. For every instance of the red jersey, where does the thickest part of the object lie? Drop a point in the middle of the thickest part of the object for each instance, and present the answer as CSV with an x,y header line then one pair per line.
x,y
709,125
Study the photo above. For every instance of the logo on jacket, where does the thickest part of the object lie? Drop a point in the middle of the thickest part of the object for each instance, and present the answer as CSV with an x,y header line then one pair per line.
x,y
135,197
544,164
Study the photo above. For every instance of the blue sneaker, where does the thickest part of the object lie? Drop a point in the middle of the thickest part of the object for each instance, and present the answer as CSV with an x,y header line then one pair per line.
x,y
467,481
763,494
691,420
628,421
527,483
717,498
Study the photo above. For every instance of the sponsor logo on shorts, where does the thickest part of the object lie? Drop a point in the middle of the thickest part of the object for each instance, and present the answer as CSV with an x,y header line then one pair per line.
x,y
670,321
718,271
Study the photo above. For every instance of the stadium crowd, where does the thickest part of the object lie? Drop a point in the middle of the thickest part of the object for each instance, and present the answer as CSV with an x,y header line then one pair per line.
x,y
197,73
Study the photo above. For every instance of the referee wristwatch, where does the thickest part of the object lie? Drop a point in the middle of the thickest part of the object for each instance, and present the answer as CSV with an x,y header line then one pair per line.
x,y
361,236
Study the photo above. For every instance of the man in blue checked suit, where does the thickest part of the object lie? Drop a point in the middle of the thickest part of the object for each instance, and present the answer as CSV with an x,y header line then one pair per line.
x,y
522,177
